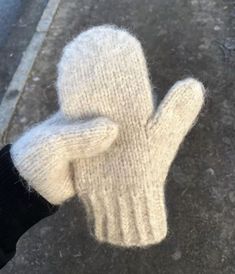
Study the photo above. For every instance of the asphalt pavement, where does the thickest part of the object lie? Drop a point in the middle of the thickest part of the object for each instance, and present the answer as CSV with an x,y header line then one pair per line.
x,y
18,20
10,11
180,38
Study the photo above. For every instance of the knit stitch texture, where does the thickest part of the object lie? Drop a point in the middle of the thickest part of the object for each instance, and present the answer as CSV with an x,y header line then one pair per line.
x,y
43,155
103,72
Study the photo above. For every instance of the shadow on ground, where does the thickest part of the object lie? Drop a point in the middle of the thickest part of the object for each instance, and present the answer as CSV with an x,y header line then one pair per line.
x,y
181,38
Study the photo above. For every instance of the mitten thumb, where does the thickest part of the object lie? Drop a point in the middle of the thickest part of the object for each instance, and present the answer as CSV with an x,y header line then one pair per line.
x,y
43,154
87,138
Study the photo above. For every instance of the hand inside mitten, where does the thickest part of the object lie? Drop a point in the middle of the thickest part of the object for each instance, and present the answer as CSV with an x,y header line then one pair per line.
x,y
43,155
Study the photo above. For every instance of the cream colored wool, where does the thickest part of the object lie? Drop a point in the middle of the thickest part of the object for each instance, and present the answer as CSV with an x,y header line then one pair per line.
x,y
103,72
44,153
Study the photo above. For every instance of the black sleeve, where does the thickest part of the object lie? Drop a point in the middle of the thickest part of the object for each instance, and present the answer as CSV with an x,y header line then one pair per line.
x,y
19,208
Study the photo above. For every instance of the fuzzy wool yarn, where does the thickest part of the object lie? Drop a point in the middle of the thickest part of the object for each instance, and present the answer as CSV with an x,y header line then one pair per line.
x,y
117,165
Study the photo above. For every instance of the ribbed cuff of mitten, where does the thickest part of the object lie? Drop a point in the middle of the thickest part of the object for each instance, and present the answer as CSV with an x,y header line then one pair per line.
x,y
127,219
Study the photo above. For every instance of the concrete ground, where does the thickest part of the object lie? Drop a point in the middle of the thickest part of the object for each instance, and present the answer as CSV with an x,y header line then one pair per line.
x,y
18,21
180,38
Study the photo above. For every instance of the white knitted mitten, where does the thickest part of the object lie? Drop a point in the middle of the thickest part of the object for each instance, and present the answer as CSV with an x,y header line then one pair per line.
x,y
103,72
44,153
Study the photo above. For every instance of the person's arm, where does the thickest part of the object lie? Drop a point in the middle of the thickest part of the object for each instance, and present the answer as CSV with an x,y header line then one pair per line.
x,y
36,175
20,208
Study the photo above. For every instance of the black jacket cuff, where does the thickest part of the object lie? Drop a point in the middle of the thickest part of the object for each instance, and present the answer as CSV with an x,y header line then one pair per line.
x,y
20,208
